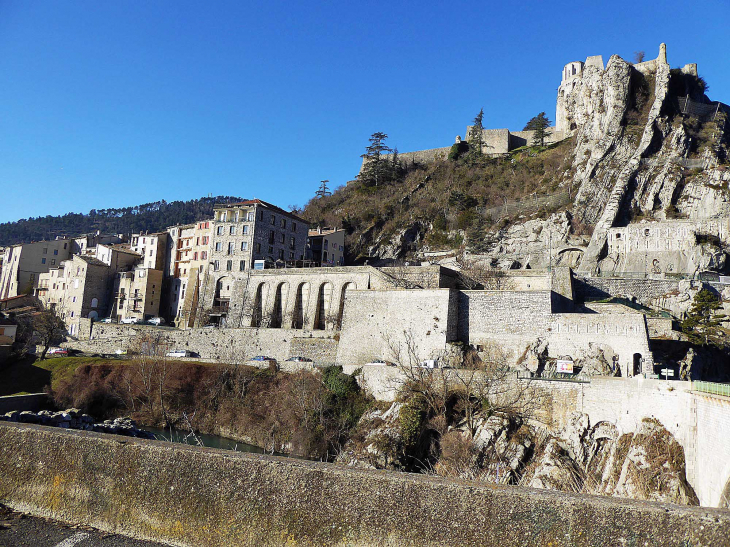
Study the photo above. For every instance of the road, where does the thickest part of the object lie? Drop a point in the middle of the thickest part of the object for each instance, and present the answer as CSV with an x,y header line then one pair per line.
x,y
19,530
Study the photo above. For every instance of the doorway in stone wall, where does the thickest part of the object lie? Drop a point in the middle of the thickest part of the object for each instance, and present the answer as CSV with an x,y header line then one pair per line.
x,y
637,364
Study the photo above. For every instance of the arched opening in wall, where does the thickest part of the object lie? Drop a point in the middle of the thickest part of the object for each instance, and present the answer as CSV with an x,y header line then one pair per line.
x,y
300,306
94,303
219,311
93,315
725,496
637,364
257,312
346,287
277,314
324,296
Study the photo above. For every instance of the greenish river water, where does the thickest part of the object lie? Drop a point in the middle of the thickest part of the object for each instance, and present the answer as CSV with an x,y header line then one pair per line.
x,y
209,441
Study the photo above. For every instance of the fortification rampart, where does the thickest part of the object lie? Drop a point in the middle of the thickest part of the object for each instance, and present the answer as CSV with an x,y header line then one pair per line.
x,y
191,496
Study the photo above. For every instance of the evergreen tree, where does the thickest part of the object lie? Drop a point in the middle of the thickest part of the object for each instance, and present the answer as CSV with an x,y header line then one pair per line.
x,y
377,170
476,139
702,324
539,124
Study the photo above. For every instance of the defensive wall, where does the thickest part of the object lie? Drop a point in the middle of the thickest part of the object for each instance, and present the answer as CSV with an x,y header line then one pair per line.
x,y
194,496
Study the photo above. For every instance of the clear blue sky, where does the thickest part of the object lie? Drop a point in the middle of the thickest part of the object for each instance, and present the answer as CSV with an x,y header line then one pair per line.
x,y
108,104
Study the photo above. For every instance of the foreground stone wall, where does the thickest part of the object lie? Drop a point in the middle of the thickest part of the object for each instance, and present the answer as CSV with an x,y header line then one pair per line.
x,y
195,496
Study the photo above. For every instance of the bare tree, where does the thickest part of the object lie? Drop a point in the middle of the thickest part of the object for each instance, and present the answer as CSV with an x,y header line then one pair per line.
x,y
150,373
481,275
49,329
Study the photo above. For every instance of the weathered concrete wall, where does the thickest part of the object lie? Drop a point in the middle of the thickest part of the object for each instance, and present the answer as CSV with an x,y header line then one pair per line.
x,y
195,496
32,401
712,449
377,322
227,345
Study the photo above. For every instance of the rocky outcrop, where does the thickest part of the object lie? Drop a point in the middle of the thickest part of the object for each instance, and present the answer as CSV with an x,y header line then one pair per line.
x,y
73,418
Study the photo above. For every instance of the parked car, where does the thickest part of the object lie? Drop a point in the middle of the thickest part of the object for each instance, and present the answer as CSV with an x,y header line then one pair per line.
x,y
380,362
57,351
123,352
430,363
179,353
156,321
299,359
131,321
262,358
106,320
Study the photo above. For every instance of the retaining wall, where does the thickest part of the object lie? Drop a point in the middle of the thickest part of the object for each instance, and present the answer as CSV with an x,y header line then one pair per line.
x,y
32,402
197,496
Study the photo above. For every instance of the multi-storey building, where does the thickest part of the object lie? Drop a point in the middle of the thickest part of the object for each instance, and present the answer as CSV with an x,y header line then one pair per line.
x,y
23,264
189,248
326,246
153,248
137,294
246,235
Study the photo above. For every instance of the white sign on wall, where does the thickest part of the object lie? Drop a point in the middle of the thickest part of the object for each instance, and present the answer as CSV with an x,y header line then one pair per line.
x,y
564,365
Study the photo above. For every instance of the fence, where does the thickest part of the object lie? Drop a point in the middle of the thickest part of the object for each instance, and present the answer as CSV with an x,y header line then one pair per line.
x,y
527,204
701,111
712,388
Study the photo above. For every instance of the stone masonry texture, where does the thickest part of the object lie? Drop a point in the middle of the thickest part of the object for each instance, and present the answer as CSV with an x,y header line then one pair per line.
x,y
206,497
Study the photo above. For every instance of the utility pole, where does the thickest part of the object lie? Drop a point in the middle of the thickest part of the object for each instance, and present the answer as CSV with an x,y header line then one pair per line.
x,y
323,190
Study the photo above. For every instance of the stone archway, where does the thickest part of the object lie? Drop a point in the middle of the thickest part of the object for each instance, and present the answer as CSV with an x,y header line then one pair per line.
x,y
277,313
257,310
348,286
301,300
322,311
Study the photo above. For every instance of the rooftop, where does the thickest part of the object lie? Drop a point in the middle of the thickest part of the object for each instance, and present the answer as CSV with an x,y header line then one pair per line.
x,y
250,202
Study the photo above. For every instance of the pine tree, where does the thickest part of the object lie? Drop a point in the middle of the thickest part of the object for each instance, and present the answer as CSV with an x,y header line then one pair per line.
x,y
476,139
702,324
539,124
376,170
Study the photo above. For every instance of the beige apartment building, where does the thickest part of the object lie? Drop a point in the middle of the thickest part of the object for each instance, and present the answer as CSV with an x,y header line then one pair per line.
x,y
152,248
137,294
189,249
326,246
23,264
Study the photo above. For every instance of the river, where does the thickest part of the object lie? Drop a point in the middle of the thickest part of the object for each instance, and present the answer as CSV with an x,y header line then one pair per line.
x,y
209,441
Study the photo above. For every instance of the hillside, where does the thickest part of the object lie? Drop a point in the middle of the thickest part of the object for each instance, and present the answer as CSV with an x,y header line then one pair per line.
x,y
646,145
152,217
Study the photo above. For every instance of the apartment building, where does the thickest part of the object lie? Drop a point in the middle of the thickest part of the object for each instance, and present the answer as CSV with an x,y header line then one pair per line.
x,y
189,248
22,264
153,249
137,294
326,246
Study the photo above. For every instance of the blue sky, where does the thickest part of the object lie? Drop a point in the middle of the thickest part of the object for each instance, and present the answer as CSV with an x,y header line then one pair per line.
x,y
108,104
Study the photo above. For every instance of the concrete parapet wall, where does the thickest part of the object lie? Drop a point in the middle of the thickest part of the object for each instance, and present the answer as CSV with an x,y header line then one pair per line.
x,y
32,401
195,496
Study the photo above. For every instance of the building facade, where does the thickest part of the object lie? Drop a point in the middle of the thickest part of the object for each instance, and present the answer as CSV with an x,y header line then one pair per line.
x,y
23,264
326,246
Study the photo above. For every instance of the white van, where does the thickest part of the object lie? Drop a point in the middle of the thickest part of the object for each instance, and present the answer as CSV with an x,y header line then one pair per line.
x,y
179,353
430,363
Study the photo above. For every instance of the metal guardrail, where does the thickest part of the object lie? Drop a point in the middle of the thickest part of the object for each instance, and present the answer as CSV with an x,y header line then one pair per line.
x,y
554,377
712,388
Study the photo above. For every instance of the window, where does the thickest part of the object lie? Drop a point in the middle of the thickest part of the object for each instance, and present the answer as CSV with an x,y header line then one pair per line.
x,y
55,251
283,223
618,236
291,255
281,254
273,220
230,248
94,302
292,243
45,250
195,255
72,314
150,252
245,229
43,260
205,239
76,285
324,256
261,214
64,245
237,213
293,226
220,230
242,265
271,236
282,238
53,262
271,250
216,265
250,216
325,243
229,265
646,232
203,255
218,246
232,231
144,240
74,299
244,245
257,247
